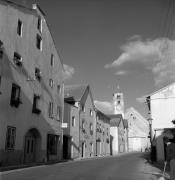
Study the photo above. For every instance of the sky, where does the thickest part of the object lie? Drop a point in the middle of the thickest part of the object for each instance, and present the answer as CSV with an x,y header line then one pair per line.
x,y
110,43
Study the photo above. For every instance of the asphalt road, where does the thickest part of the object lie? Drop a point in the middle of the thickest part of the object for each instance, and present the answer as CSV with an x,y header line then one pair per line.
x,y
123,167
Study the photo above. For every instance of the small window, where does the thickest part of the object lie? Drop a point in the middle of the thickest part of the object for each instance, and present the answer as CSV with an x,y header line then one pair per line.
x,y
91,113
51,109
83,108
39,42
52,143
38,74
52,60
58,89
73,121
118,96
91,128
19,28
83,125
39,25
17,59
51,83
15,96
118,102
58,113
10,138
36,108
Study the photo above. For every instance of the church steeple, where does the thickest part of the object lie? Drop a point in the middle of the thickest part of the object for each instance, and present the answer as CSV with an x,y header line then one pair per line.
x,y
118,102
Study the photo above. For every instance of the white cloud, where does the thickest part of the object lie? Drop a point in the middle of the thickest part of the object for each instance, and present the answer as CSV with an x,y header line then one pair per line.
x,y
121,73
157,55
104,106
68,71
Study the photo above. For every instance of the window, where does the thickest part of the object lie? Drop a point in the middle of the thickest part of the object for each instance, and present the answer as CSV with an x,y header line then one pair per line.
x,y
39,42
19,28
38,74
17,59
36,109
58,113
83,108
59,89
92,147
83,125
51,83
39,25
51,109
91,113
52,60
118,102
15,96
91,128
73,121
118,97
52,143
10,138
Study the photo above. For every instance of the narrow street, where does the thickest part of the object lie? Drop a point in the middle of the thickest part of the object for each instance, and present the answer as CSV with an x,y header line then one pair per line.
x,y
123,167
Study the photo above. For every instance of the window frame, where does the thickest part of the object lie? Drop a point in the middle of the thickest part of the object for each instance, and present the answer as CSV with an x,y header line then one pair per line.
x,y
52,148
15,99
73,121
51,83
19,27
52,60
51,109
39,43
35,108
39,24
17,59
12,138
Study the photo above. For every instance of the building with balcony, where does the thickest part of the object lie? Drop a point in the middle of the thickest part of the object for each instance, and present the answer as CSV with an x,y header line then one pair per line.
x,y
31,86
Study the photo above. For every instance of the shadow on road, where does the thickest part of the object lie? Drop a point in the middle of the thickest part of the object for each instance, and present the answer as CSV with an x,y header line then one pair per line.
x,y
157,165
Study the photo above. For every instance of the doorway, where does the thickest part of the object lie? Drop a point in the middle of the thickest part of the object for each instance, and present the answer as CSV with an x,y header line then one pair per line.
x,y
31,145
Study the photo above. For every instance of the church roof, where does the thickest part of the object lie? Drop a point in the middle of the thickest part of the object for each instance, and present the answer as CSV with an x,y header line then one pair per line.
x,y
115,119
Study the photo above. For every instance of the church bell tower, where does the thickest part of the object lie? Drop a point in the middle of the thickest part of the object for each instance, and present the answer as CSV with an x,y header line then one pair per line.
x,y
118,102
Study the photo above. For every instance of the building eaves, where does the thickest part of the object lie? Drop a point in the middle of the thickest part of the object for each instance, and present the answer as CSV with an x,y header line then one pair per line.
x,y
101,113
75,91
18,5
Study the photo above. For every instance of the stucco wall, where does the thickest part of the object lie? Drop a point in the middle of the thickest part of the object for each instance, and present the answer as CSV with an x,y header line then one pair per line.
x,y
87,137
114,134
162,107
22,117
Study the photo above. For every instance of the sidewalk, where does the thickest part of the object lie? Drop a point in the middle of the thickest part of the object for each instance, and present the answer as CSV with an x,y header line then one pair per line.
x,y
156,169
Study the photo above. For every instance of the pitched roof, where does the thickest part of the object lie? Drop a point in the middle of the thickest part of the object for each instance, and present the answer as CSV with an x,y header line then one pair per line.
x,y
75,91
115,119
102,114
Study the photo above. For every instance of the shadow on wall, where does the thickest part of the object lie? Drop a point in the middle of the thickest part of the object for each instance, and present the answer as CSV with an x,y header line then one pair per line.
x,y
22,115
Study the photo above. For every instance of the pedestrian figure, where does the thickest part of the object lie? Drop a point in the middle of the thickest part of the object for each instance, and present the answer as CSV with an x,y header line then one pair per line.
x,y
171,159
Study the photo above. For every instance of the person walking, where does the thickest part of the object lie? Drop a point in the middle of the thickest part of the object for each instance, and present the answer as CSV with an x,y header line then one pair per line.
x,y
171,159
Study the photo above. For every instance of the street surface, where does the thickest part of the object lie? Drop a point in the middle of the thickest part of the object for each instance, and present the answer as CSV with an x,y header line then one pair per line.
x,y
123,167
